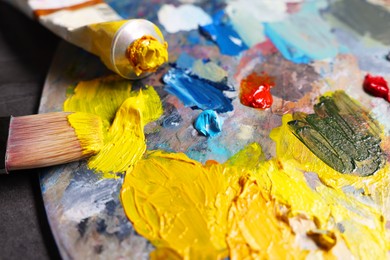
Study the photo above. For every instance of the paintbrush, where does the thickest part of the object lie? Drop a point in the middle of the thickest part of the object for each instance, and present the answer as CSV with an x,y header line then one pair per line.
x,y
42,140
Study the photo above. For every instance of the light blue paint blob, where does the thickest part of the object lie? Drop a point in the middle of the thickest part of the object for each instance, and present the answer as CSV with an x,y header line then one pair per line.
x,y
303,37
222,33
197,92
208,123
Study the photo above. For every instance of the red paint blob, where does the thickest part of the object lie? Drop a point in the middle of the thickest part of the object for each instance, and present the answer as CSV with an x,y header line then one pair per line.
x,y
255,91
376,86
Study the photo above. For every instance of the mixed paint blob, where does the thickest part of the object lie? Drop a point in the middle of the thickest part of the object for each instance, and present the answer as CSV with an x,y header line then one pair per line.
x,y
246,147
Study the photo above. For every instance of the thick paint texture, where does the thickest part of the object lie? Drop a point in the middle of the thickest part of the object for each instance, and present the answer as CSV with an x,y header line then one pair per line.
x,y
147,54
342,134
181,205
248,207
89,131
222,33
208,123
124,114
303,37
255,90
197,92
376,86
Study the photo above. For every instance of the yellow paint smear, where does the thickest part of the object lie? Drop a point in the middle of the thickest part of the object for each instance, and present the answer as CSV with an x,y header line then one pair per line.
x,y
256,231
88,128
248,208
146,54
196,211
124,114
288,207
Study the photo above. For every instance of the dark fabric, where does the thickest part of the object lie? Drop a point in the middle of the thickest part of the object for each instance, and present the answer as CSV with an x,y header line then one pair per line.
x,y
26,51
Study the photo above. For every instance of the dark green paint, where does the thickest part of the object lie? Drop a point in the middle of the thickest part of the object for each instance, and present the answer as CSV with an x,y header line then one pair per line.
x,y
342,134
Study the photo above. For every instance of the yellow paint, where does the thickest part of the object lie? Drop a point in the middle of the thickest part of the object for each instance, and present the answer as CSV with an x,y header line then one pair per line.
x,y
124,114
204,211
256,231
100,36
88,129
146,54
247,207
359,217
177,203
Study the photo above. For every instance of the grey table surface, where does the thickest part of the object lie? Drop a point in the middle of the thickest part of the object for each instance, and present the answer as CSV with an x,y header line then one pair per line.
x,y
26,51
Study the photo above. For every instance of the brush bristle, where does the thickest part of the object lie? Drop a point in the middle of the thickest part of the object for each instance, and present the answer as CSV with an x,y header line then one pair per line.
x,y
50,139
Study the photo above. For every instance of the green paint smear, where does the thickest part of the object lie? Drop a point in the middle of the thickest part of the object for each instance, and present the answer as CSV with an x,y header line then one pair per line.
x,y
342,134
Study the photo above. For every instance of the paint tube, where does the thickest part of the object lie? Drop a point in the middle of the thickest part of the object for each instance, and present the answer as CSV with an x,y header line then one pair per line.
x,y
131,48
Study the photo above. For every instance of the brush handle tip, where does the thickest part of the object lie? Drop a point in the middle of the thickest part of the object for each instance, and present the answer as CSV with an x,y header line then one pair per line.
x,y
4,132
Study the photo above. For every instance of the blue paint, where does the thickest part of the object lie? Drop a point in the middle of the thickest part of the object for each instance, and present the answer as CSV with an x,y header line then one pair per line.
x,y
185,61
222,33
372,58
217,150
303,37
208,123
196,92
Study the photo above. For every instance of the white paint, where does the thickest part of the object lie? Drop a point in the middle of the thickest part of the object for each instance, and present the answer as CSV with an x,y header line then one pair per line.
x,y
245,133
381,110
183,18
91,199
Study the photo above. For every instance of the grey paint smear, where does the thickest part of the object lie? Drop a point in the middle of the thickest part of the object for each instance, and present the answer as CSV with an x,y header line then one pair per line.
x,y
364,18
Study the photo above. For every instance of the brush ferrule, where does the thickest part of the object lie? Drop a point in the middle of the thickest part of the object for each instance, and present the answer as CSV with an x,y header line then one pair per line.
x,y
4,133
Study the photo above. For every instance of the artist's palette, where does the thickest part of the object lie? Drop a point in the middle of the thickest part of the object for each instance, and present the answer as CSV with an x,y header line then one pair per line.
x,y
325,51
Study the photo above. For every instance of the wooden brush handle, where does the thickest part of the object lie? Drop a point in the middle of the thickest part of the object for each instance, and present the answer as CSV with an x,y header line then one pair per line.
x,y
4,131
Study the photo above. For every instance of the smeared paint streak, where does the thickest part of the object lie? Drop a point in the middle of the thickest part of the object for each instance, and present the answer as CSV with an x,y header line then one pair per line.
x,y
219,210
196,212
203,68
199,198
222,33
185,61
247,17
209,70
208,123
197,92
303,37
183,18
372,19
250,231
371,57
377,86
124,114
172,117
342,134
88,129
255,91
